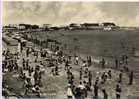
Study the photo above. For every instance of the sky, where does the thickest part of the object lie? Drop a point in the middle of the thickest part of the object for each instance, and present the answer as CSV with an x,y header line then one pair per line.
x,y
61,13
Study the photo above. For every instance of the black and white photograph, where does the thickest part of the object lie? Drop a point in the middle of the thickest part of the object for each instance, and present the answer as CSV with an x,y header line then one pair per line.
x,y
70,50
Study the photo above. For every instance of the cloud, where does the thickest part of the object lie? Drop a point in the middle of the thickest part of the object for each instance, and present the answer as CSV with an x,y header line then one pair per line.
x,y
122,13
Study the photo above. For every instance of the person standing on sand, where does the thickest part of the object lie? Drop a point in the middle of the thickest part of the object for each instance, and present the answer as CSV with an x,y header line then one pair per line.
x,y
80,73
120,76
89,60
131,78
116,63
96,90
90,78
27,52
69,92
118,91
76,60
82,89
56,70
105,95
66,65
23,64
109,74
103,63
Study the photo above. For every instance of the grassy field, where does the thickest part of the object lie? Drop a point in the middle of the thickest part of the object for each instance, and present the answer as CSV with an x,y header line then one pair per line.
x,y
96,43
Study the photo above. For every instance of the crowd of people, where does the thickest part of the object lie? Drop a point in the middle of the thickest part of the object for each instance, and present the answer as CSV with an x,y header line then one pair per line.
x,y
81,90
32,75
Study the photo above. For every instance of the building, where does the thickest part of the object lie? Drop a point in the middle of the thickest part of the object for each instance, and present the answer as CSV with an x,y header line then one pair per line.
x,y
91,26
27,26
21,27
107,26
46,26
74,26
9,29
